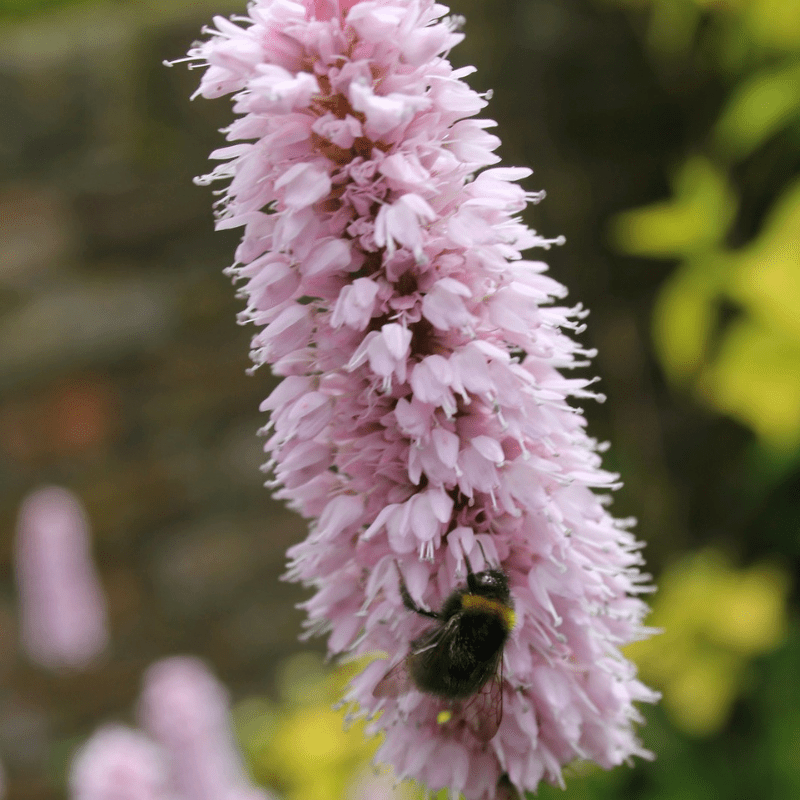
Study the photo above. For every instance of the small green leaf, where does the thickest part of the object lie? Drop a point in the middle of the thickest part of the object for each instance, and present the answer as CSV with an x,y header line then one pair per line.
x,y
758,108
756,379
766,278
684,319
695,220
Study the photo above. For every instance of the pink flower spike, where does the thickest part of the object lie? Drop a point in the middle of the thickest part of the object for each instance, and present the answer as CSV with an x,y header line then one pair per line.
x,y
424,422
119,763
185,709
61,603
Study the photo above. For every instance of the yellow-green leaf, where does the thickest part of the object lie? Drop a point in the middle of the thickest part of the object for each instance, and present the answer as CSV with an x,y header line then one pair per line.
x,y
694,220
684,318
756,379
766,278
758,108
774,23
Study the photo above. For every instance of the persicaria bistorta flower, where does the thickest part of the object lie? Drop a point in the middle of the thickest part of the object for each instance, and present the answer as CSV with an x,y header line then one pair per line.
x,y
61,602
185,708
424,414
119,763
189,753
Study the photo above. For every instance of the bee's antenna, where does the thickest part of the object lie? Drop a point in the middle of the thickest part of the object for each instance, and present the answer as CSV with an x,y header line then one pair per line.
x,y
483,552
472,584
469,566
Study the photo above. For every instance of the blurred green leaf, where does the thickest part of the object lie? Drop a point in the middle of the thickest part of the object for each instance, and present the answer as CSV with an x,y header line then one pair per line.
x,y
749,369
684,320
756,379
24,8
305,747
757,109
779,705
766,274
694,220
715,618
672,27
772,23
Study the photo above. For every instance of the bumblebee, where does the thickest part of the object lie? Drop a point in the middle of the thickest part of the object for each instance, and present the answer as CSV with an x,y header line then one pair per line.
x,y
460,658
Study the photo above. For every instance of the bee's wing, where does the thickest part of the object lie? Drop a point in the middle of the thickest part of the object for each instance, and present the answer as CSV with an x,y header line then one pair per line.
x,y
398,679
484,710
395,682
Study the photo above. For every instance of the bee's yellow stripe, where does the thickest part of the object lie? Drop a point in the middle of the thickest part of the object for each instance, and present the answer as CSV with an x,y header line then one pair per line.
x,y
477,602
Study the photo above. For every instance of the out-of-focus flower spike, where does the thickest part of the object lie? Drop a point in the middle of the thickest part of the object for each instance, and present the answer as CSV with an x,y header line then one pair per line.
x,y
61,603
185,708
119,763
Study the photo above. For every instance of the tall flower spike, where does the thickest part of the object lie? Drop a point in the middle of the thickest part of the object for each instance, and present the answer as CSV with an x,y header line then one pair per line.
x,y
62,606
119,763
423,415
185,708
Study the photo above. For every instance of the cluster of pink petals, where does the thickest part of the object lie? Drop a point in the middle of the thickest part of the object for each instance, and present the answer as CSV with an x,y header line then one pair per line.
x,y
188,752
185,708
62,607
424,408
119,762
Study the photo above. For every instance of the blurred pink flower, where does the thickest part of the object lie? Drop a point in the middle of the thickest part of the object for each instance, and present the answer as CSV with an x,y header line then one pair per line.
x,y
185,708
423,408
118,763
61,602
379,785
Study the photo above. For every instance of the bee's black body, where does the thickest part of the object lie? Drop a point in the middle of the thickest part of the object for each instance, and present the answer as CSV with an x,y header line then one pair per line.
x,y
459,659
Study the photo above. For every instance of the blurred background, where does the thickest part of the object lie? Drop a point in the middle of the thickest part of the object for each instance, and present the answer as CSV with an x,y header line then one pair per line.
x,y
667,135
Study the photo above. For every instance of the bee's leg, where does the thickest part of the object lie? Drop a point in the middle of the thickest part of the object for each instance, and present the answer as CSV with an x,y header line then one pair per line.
x,y
408,601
